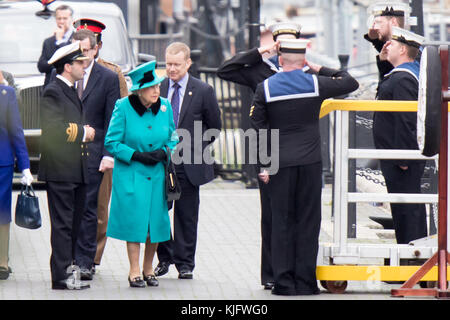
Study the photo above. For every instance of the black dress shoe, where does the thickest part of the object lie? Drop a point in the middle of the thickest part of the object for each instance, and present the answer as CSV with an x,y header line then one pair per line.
x,y
136,282
151,280
185,274
4,273
64,285
86,274
162,268
269,285
279,292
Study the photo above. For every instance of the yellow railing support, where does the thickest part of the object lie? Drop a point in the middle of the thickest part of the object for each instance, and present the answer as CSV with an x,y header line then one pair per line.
x,y
366,105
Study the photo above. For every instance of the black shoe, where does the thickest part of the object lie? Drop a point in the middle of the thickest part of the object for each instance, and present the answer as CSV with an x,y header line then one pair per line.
x,y
93,269
151,280
162,268
279,292
64,285
86,274
185,274
4,273
136,282
269,285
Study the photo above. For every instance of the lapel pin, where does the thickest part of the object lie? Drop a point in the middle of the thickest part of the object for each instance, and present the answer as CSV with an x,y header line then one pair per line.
x,y
163,108
3,92
190,93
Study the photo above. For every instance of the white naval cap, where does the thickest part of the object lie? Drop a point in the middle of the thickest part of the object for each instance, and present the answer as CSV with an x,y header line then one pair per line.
x,y
293,45
67,54
389,8
407,37
285,28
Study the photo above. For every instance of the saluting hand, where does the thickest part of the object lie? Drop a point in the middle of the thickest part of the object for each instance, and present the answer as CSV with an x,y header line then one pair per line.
x,y
269,50
314,67
384,52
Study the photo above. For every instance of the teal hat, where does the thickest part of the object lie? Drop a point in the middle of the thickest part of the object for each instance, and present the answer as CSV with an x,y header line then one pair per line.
x,y
144,76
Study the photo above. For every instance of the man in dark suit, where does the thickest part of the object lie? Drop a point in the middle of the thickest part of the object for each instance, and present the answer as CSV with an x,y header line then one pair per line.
x,y
61,37
63,164
289,102
250,68
104,192
98,91
193,103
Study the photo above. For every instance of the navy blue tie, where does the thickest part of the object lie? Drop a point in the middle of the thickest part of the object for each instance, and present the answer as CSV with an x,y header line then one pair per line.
x,y
175,102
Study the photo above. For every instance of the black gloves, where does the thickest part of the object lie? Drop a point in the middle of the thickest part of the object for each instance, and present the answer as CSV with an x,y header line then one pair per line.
x,y
149,158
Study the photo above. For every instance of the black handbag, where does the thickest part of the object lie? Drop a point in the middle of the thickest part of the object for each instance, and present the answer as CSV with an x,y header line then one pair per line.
x,y
173,189
28,214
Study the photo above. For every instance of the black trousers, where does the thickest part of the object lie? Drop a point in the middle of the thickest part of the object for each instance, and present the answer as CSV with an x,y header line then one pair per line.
x,y
66,203
266,234
296,194
410,219
181,250
86,245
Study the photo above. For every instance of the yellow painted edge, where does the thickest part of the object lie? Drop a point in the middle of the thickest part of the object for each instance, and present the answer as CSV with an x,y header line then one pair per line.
x,y
366,105
374,273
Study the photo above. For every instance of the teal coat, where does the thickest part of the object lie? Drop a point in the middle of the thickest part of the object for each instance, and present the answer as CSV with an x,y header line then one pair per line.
x,y
138,205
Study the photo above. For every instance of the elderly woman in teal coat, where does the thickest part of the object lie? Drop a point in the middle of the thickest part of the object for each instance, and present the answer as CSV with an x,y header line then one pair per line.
x,y
141,127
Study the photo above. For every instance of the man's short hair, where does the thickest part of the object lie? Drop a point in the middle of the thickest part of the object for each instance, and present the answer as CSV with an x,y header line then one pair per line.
x,y
412,52
60,68
83,34
400,20
64,7
176,47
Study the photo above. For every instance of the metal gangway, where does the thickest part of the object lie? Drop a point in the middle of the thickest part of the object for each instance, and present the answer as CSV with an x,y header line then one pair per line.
x,y
342,260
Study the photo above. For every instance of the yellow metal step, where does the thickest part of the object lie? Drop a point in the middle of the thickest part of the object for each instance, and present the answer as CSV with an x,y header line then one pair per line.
x,y
374,273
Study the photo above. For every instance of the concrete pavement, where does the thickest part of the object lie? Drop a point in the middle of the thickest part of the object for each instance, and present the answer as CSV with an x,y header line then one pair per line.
x,y
227,259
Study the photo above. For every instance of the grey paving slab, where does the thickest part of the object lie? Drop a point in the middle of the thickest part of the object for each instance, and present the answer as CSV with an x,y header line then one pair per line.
x,y
227,259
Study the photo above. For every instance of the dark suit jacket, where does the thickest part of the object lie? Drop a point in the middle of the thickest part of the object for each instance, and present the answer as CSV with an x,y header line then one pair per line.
x,y
98,99
63,155
48,49
199,104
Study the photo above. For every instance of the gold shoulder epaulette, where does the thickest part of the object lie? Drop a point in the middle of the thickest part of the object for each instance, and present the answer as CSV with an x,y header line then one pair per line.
x,y
72,132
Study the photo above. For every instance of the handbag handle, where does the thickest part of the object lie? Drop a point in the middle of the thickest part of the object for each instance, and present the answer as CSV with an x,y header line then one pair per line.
x,y
28,190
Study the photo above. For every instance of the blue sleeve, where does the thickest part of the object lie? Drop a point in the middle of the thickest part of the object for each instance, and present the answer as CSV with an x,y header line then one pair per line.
x,y
15,131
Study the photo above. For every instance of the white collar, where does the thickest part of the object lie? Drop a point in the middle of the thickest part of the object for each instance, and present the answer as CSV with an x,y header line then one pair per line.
x,y
65,80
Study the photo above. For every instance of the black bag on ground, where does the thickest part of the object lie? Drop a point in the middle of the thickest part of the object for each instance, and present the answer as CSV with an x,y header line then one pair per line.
x,y
28,214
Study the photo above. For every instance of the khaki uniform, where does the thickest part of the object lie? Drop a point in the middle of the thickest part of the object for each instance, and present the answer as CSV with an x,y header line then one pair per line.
x,y
104,193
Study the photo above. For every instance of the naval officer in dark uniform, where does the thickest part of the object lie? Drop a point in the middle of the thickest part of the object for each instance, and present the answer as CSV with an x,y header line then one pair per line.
x,y
384,16
63,160
250,68
289,102
398,130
